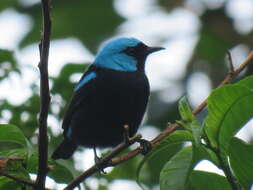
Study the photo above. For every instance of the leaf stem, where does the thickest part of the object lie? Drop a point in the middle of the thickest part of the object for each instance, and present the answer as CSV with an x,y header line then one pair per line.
x,y
226,169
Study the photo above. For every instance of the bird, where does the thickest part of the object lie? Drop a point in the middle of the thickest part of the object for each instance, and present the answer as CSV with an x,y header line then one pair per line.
x,y
113,92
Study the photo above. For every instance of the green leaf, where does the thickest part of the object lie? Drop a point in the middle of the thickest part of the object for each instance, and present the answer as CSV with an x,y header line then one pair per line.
x,y
11,133
58,172
18,153
14,168
247,82
175,172
203,153
223,105
166,146
236,117
189,121
6,183
124,171
200,180
241,160
185,110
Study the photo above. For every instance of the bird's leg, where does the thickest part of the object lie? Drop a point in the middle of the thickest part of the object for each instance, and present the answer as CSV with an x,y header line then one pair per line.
x,y
96,158
146,146
126,134
98,161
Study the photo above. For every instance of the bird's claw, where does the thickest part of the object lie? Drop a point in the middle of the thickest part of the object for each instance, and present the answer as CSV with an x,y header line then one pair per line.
x,y
146,146
98,162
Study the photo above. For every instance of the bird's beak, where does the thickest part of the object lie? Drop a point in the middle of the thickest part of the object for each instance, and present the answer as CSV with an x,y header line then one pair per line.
x,y
154,49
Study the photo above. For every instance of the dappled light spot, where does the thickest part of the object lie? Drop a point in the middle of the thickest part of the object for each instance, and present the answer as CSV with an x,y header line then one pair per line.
x,y
246,132
208,166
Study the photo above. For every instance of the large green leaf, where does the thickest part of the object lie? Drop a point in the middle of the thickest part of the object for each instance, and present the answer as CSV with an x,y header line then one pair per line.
x,y
241,160
200,180
247,82
165,149
224,104
11,133
89,21
175,172
237,116
203,153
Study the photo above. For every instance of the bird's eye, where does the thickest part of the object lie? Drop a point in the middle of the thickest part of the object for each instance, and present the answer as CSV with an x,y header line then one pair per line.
x,y
129,51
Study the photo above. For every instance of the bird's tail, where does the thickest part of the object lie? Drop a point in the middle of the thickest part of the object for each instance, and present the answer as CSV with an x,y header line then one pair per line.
x,y
64,150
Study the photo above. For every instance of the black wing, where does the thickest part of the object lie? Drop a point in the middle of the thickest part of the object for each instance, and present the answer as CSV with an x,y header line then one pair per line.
x,y
78,98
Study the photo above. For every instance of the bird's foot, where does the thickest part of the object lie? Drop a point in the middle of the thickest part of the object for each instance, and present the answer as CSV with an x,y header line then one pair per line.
x,y
146,146
126,134
98,162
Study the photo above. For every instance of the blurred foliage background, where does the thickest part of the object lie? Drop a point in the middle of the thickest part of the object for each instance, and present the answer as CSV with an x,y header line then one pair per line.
x,y
199,33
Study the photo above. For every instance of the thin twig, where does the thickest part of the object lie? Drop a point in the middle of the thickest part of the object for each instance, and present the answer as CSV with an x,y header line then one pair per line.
x,y
230,62
109,160
23,181
44,97
227,80
103,162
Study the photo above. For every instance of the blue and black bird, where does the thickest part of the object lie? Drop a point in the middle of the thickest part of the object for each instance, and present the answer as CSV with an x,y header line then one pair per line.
x,y
113,92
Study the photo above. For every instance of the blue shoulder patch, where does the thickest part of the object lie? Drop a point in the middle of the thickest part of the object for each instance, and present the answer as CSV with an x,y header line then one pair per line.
x,y
86,79
69,132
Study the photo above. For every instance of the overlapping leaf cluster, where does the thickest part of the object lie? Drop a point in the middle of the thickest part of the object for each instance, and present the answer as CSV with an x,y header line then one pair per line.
x,y
229,109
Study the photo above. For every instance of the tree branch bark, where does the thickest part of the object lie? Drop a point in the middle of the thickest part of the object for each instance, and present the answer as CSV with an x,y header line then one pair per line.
x,y
44,97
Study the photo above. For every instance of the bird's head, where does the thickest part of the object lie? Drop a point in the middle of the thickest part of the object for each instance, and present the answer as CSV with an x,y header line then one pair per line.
x,y
124,54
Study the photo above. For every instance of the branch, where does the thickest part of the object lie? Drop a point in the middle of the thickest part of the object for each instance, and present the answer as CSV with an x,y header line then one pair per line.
x,y
104,161
44,96
23,181
109,160
230,62
228,79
